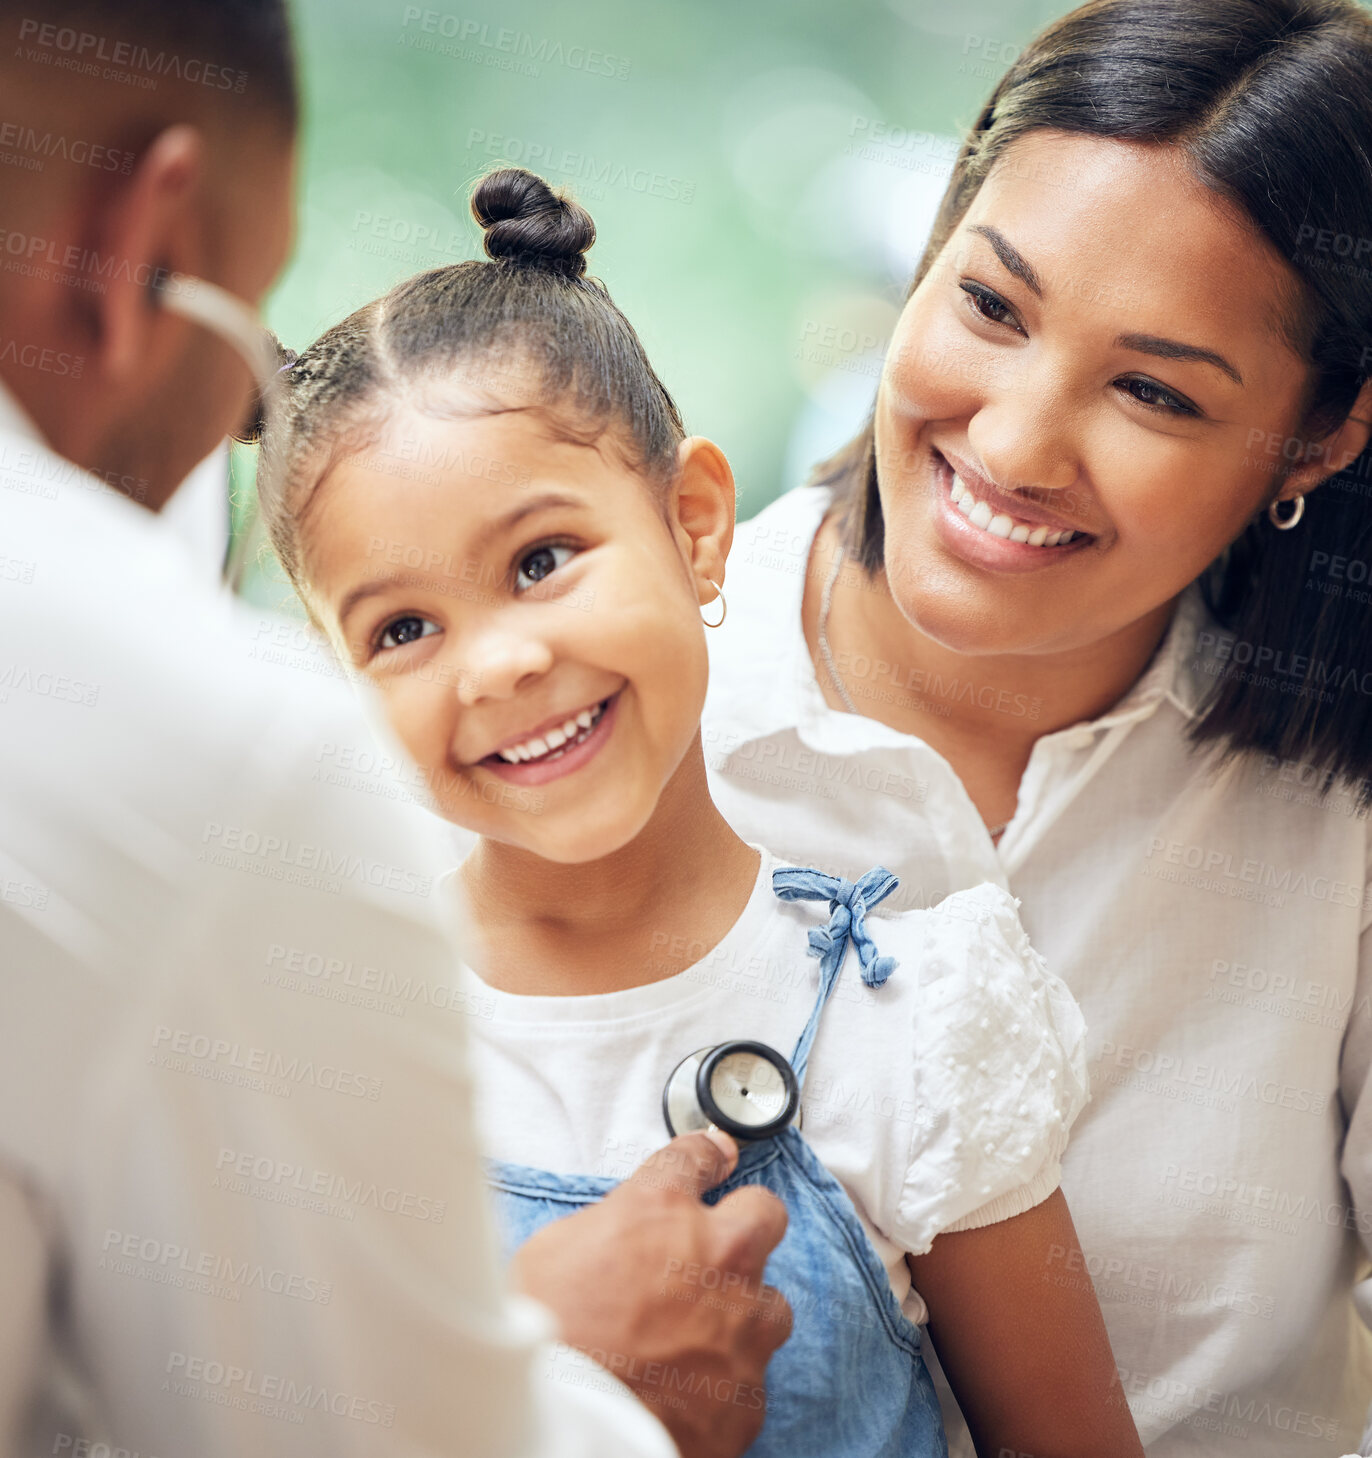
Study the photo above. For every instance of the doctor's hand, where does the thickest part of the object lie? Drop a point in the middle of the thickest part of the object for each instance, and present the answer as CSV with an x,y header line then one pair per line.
x,y
667,1294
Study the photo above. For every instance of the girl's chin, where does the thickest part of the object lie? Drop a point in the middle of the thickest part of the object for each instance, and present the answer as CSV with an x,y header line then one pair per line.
x,y
574,843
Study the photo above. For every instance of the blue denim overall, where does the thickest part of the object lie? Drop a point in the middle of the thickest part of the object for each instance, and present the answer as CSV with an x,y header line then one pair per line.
x,y
850,1382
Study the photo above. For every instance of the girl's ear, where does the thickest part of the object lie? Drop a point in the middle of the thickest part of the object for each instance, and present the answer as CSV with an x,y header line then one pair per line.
x,y
702,511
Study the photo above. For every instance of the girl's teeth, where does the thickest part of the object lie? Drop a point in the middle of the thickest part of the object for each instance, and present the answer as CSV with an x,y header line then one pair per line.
x,y
999,524
553,740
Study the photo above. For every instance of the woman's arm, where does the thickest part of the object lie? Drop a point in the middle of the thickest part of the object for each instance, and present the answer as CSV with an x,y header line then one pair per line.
x,y
1020,1336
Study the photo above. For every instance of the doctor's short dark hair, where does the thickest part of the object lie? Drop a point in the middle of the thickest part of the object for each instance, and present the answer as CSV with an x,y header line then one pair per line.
x,y
235,53
526,315
1271,101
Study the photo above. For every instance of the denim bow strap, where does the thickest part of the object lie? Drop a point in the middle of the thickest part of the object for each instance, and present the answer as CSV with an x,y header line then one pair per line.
x,y
849,902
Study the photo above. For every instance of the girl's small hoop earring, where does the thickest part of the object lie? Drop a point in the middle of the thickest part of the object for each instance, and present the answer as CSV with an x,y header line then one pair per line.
x,y
723,606
1285,525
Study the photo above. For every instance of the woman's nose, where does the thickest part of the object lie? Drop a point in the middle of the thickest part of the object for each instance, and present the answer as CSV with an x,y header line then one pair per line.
x,y
1022,434
497,663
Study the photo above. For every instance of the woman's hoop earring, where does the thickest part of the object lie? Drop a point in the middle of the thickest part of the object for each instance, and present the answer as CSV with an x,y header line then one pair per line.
x,y
723,606
1296,514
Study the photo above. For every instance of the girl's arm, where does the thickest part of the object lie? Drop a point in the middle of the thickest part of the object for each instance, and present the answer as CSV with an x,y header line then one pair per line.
x,y
1019,1334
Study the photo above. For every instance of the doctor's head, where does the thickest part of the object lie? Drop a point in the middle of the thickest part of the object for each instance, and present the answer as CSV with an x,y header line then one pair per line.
x,y
162,135
485,496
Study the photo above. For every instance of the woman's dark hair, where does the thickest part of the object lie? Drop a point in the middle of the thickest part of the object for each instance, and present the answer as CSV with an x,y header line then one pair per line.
x,y
528,325
1271,101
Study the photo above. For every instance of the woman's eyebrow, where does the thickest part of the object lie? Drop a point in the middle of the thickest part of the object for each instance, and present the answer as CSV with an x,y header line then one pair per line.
x,y
1174,349
1016,263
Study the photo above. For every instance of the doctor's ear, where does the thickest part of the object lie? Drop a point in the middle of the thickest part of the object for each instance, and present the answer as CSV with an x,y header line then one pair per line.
x,y
701,510
151,227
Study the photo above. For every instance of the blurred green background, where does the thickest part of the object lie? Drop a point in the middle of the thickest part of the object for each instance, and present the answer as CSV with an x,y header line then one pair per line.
x,y
762,176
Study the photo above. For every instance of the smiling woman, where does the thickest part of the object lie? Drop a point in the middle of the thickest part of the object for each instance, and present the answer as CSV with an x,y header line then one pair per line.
x,y
1066,614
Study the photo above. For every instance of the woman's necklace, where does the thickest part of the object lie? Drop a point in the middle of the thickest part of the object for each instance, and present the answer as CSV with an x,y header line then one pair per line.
x,y
822,637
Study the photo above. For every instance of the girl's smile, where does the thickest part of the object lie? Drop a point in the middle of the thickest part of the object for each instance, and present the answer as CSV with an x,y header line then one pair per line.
x,y
559,747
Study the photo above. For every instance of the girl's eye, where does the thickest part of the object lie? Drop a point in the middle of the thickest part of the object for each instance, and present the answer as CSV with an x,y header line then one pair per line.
x,y
989,304
407,629
536,565
1156,397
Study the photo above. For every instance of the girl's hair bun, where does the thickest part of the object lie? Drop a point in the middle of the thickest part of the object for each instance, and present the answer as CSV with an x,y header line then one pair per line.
x,y
530,225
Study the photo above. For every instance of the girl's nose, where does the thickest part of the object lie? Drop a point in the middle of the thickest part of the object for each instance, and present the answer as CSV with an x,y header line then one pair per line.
x,y
497,663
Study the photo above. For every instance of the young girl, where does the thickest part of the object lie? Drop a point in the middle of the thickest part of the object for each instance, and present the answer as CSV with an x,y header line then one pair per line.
x,y
486,498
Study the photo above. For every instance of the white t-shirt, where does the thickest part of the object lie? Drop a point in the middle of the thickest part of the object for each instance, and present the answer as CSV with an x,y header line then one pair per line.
x,y
941,1100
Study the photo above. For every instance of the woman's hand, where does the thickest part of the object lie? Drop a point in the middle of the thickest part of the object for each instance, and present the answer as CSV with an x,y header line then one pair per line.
x,y
1019,1334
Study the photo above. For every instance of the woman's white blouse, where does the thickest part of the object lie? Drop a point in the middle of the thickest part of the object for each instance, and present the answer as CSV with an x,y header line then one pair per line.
x,y
1212,927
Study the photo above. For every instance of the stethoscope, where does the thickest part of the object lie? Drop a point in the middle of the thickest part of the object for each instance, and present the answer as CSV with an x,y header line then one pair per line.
x,y
747,1089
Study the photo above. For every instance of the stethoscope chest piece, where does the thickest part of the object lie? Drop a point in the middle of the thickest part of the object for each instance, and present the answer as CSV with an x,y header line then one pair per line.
x,y
747,1089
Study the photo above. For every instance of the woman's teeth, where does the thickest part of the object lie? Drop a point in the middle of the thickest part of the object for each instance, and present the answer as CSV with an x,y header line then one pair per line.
x,y
554,741
981,515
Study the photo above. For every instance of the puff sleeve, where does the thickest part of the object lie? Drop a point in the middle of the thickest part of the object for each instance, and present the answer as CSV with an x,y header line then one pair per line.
x,y
999,1066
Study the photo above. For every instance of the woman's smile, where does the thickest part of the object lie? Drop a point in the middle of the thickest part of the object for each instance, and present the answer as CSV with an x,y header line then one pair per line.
x,y
986,529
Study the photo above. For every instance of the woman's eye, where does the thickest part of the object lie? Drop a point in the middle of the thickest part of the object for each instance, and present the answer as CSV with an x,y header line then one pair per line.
x,y
989,304
400,631
1153,395
536,565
